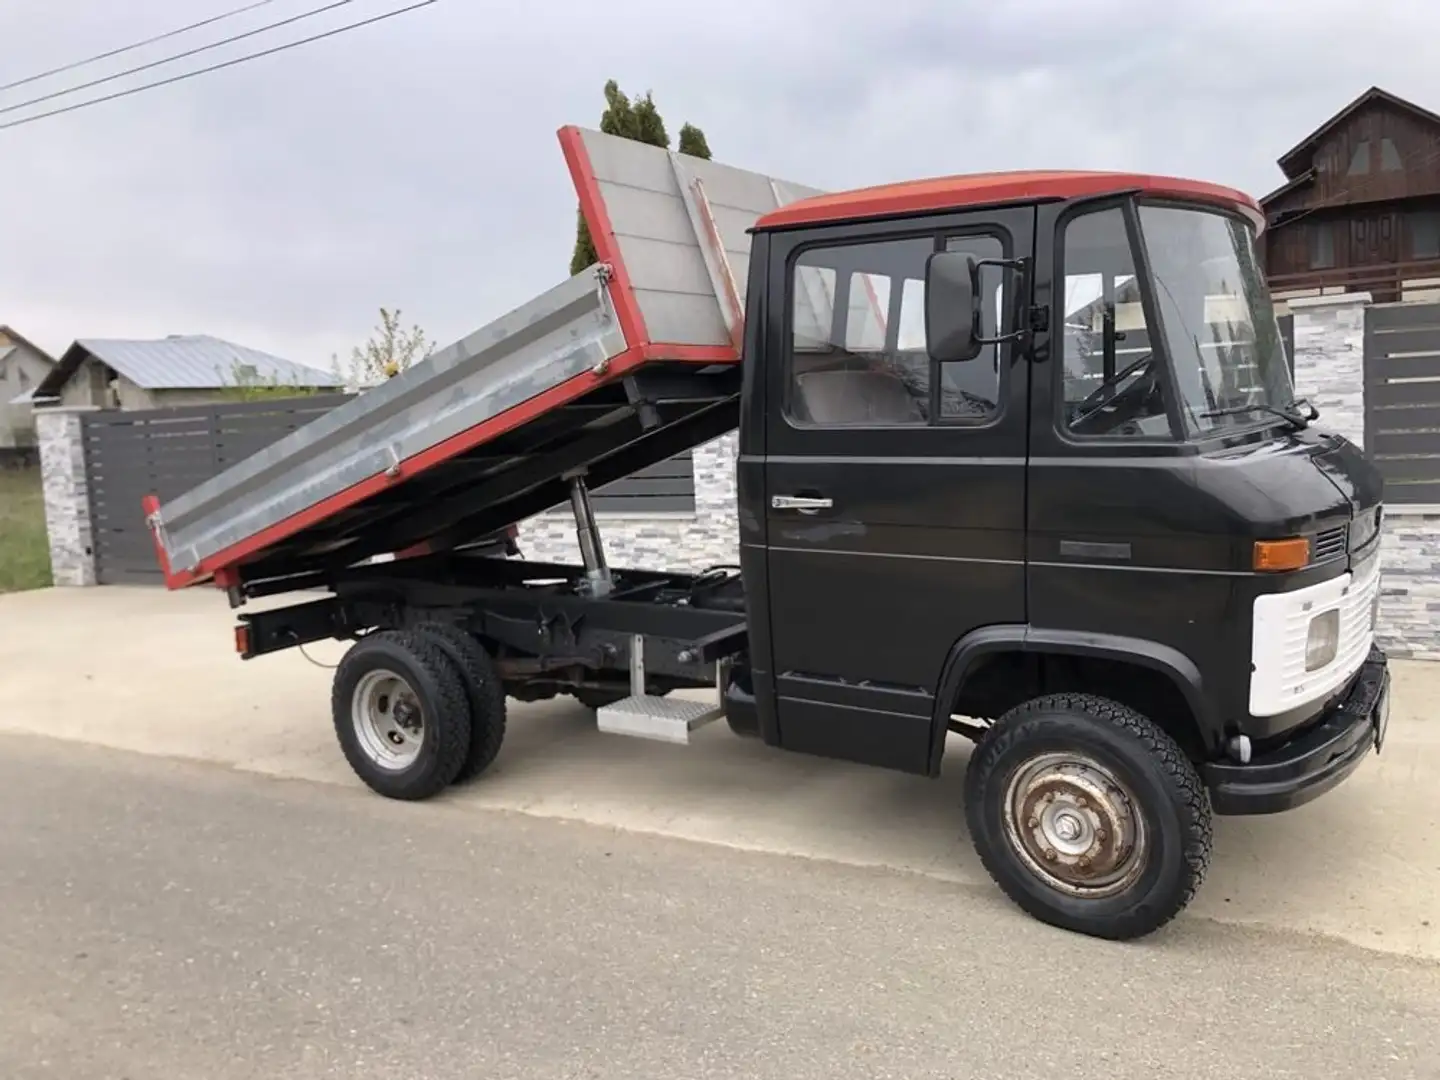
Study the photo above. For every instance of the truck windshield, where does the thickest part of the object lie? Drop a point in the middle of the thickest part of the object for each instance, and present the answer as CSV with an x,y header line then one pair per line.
x,y
1228,359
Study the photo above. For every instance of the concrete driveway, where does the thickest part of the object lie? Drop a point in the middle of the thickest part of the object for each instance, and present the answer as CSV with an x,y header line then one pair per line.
x,y
144,670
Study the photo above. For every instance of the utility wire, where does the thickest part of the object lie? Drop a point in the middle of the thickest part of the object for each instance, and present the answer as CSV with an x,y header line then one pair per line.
x,y
137,45
178,56
216,67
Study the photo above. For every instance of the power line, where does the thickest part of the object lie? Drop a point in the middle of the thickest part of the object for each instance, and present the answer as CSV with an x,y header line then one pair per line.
x,y
178,56
137,45
216,67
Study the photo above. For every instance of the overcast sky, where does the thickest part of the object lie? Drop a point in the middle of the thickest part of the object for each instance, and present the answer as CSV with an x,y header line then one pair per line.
x,y
413,163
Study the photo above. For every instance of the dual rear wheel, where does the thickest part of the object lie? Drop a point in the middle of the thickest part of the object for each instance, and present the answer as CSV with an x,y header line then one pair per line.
x,y
417,710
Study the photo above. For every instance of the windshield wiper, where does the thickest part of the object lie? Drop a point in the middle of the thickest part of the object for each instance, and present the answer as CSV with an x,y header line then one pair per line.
x,y
1291,412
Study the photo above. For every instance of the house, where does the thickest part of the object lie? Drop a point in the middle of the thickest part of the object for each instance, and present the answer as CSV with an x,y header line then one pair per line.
x,y
176,370
23,366
1360,206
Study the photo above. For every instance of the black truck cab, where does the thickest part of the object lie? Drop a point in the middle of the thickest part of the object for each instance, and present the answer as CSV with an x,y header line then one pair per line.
x,y
1021,460
1047,460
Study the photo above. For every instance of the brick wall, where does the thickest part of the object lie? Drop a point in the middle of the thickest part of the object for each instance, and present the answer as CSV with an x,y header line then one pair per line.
x,y
682,541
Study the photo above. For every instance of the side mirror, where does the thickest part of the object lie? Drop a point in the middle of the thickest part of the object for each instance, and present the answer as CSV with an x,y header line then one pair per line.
x,y
952,306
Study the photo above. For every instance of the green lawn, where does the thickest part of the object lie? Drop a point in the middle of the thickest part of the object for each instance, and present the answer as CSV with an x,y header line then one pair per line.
x,y
24,551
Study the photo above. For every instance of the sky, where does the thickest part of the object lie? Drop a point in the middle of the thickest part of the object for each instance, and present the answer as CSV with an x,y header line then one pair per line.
x,y
413,163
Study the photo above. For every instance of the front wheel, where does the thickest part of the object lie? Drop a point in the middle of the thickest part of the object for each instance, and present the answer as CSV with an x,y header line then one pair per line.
x,y
1088,816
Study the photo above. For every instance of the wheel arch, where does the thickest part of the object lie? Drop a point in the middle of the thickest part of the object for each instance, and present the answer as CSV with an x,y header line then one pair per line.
x,y
969,653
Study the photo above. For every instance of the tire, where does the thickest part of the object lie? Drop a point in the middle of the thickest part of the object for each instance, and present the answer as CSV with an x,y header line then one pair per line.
x,y
483,689
1060,862
380,668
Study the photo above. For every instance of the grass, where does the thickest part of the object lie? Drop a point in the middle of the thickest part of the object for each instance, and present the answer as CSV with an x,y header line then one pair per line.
x,y
24,548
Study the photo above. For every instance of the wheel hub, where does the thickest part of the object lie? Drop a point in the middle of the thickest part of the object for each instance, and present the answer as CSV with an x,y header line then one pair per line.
x,y
1075,825
388,721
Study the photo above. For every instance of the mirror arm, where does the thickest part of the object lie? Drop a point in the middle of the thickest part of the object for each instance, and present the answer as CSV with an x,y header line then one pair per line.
x,y
1020,266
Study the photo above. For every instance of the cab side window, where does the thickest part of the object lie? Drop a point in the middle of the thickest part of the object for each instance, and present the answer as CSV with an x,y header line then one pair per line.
x,y
858,354
1112,380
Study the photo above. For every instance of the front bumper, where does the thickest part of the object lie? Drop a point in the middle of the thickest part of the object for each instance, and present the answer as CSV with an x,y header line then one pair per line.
x,y
1315,760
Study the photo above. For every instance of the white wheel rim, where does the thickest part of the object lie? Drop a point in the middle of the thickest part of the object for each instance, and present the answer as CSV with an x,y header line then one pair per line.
x,y
388,720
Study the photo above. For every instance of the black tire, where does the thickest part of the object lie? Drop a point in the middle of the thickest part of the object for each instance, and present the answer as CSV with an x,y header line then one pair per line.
x,y
484,690
1168,798
440,694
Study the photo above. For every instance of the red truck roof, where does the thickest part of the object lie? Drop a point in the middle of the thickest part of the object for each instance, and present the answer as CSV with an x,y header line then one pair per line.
x,y
989,189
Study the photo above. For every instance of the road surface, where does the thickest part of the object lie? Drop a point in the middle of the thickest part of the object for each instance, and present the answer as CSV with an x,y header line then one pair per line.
x,y
177,920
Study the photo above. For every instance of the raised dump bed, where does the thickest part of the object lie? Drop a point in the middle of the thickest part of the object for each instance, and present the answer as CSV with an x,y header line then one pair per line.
x,y
620,367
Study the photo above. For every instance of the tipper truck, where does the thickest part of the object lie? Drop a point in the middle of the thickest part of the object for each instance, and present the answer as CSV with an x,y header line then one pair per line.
x,y
1019,459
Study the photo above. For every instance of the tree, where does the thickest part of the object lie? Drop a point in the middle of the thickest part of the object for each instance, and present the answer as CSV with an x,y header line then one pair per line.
x,y
389,351
692,142
639,120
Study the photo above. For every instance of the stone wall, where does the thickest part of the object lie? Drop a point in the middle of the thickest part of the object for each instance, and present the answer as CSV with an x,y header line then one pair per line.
x,y
682,541
1330,371
67,498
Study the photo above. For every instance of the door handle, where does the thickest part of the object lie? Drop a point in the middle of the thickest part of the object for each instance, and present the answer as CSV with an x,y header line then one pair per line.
x,y
804,503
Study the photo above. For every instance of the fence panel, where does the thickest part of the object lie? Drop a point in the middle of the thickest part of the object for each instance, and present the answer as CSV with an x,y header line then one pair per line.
x,y
1402,399
168,451
129,455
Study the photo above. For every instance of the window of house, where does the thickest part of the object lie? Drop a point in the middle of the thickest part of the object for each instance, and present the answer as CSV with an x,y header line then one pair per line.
x,y
859,355
1360,160
1389,157
1425,234
1321,237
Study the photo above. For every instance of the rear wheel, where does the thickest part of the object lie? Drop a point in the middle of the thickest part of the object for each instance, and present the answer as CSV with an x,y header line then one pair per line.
x,y
1088,816
484,690
401,714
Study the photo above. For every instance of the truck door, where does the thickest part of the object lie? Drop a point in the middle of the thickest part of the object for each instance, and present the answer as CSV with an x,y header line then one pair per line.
x,y
894,488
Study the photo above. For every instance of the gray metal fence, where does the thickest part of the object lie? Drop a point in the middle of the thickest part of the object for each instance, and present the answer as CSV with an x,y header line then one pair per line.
x,y
129,455
1402,399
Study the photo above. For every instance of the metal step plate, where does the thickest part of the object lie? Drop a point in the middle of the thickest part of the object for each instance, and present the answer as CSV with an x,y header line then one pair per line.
x,y
665,719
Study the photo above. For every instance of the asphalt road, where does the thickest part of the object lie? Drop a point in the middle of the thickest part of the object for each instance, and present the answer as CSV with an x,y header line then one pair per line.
x,y
172,920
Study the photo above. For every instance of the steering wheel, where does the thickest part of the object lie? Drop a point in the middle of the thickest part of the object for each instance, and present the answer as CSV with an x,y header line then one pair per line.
x,y
1110,390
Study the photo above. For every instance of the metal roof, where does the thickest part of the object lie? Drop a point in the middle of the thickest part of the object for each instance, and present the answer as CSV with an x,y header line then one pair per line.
x,y
198,362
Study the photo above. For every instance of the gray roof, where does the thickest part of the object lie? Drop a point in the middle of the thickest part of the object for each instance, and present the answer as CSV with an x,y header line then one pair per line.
x,y
24,397
198,362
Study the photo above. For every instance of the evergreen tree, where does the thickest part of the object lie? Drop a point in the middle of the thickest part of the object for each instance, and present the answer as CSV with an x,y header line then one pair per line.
x,y
642,122
692,142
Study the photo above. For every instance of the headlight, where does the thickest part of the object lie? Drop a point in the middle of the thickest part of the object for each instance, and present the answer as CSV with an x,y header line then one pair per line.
x,y
1323,640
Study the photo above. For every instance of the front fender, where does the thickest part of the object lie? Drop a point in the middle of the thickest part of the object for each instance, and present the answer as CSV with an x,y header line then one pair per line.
x,y
966,653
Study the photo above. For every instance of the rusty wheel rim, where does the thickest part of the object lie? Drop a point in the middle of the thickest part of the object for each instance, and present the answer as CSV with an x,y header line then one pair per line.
x,y
1075,825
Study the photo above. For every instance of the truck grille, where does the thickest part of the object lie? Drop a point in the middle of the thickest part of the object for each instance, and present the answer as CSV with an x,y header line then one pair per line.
x,y
1328,544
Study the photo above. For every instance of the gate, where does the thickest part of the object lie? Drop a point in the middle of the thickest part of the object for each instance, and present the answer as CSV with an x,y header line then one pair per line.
x,y
166,452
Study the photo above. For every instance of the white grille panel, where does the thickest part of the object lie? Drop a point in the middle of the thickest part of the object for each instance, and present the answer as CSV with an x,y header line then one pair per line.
x,y
1281,629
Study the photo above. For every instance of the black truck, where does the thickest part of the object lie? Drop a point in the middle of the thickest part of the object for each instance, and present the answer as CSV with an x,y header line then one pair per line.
x,y
1019,459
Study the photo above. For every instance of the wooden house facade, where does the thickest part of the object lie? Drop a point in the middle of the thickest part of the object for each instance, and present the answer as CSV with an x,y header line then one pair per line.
x,y
1360,206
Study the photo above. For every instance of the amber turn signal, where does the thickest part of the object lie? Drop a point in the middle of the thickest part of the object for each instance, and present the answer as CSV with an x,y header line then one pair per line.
x,y
1282,554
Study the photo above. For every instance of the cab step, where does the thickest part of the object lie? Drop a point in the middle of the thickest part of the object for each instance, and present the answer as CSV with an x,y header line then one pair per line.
x,y
646,716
